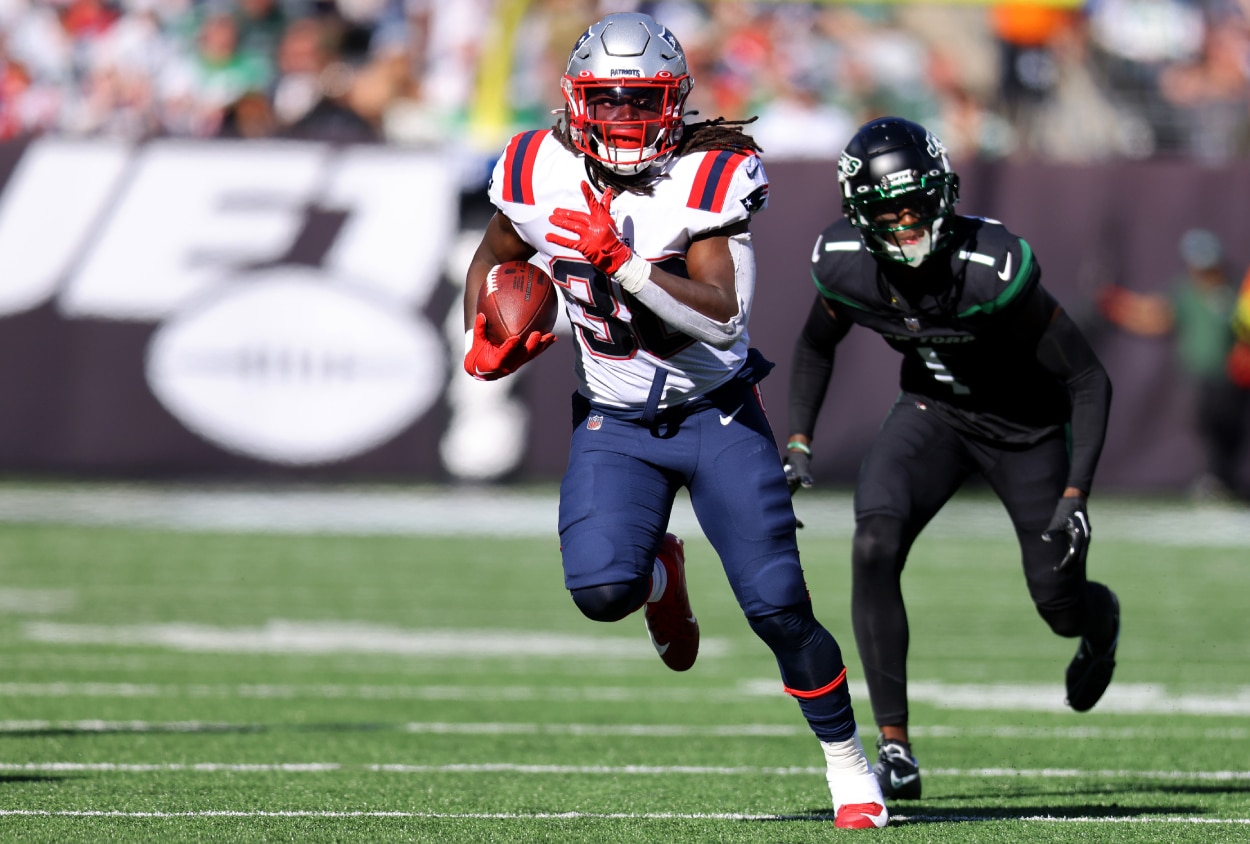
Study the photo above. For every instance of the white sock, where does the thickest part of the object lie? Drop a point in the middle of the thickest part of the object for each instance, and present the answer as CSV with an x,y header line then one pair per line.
x,y
850,777
659,582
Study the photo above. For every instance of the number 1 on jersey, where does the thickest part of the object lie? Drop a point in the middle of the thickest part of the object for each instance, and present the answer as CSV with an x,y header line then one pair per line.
x,y
940,371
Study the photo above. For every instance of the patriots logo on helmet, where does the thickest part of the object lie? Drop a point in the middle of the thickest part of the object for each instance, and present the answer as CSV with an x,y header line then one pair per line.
x,y
669,39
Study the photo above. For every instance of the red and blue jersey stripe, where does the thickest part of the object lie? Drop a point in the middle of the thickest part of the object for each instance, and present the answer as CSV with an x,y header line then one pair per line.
x,y
711,183
518,166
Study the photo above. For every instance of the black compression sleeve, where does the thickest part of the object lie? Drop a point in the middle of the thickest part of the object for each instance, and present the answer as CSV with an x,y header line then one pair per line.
x,y
1064,351
812,366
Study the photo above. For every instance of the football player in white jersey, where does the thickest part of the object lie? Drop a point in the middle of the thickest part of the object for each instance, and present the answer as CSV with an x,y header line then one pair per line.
x,y
642,222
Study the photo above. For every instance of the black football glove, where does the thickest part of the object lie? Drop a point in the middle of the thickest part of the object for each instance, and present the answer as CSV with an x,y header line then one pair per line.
x,y
1071,522
798,466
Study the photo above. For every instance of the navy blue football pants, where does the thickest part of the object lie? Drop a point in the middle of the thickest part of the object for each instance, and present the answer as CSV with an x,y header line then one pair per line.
x,y
616,498
622,479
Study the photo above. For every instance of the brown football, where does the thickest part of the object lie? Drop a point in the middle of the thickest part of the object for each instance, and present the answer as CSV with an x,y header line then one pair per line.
x,y
516,299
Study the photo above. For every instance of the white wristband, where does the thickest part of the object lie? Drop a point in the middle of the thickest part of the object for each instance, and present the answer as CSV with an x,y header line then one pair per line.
x,y
633,274
468,341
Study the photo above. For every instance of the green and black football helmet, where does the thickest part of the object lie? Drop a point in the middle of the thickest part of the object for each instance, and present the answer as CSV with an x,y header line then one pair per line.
x,y
892,166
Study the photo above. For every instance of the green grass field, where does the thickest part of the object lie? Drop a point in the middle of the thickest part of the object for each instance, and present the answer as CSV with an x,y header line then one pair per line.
x,y
180,666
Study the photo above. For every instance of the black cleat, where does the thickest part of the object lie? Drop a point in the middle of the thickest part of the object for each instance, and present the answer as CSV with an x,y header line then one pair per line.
x,y
897,770
1090,671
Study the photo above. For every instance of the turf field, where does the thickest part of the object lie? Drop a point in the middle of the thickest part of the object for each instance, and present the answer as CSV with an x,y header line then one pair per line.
x,y
395,665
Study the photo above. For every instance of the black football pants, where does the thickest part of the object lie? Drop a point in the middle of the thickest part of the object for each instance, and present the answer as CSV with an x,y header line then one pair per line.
x,y
916,464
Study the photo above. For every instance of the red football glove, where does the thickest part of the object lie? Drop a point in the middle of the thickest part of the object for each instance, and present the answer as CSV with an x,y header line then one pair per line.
x,y
487,362
597,237
1239,365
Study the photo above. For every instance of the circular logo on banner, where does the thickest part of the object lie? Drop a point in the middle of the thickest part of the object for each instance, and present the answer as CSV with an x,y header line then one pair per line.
x,y
293,366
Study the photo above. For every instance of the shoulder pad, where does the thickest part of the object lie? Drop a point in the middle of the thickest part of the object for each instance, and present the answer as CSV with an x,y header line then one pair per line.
x,y
842,267
1000,266
518,166
716,172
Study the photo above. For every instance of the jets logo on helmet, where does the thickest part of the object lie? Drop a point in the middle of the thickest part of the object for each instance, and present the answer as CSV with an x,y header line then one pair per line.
x,y
848,165
625,93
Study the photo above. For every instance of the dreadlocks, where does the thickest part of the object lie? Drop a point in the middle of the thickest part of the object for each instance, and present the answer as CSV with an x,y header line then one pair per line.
x,y
717,133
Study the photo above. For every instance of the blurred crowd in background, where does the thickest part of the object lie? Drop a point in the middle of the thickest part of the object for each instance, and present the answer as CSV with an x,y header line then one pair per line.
x,y
1103,80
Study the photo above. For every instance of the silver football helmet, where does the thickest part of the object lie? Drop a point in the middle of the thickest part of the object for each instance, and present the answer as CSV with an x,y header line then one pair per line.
x,y
625,88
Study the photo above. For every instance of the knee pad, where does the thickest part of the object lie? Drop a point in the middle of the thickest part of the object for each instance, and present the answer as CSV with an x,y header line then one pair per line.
x,y
1064,621
787,629
807,653
611,601
879,546
772,587
1074,616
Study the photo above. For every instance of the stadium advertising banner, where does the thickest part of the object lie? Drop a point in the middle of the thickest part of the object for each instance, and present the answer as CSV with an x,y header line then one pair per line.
x,y
182,307
291,310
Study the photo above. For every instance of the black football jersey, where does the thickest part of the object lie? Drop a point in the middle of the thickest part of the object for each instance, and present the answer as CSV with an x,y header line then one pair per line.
x,y
966,321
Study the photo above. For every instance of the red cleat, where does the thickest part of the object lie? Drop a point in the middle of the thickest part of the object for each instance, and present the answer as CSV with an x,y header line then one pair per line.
x,y
670,622
861,816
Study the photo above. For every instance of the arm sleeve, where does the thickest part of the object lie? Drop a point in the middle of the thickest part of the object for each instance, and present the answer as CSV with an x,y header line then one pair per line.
x,y
1065,352
812,366
719,335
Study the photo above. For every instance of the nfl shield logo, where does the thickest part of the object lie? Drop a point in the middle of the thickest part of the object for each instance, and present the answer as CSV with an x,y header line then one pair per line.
x,y
594,423
912,323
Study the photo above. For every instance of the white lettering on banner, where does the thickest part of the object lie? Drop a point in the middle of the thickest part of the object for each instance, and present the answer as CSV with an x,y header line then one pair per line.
x,y
54,196
285,367
291,358
191,215
403,219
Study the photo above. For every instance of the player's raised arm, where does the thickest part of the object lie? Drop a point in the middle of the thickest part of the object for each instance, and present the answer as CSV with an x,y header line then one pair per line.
x,y
711,304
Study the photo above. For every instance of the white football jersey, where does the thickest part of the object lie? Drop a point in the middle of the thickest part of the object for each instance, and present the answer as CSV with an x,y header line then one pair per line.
x,y
620,344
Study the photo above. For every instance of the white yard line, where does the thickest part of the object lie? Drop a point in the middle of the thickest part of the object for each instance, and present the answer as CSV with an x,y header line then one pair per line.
x,y
1120,699
657,816
472,728
517,512
278,636
586,770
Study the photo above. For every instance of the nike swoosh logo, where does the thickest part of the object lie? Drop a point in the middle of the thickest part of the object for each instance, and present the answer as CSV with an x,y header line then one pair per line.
x,y
879,819
661,649
896,780
1005,272
725,420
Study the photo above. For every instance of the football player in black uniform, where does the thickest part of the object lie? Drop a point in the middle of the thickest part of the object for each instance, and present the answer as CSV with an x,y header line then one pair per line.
x,y
996,381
